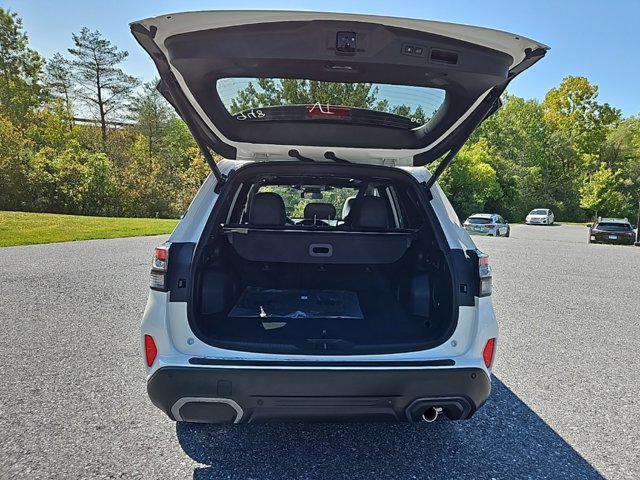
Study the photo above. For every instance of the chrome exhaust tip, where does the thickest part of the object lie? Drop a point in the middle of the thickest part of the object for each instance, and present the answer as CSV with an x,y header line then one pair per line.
x,y
431,414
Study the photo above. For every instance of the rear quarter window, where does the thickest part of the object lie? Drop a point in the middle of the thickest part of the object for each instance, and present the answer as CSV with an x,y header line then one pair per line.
x,y
613,227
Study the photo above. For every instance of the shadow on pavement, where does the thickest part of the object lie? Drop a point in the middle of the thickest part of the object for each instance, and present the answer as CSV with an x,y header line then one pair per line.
x,y
505,439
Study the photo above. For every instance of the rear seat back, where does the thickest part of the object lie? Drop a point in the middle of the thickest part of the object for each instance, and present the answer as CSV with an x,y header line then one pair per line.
x,y
267,210
370,212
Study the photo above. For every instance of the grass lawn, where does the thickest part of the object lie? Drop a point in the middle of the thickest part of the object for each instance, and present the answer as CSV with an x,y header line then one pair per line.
x,y
22,228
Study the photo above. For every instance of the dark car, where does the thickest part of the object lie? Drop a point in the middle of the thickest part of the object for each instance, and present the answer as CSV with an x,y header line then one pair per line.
x,y
612,230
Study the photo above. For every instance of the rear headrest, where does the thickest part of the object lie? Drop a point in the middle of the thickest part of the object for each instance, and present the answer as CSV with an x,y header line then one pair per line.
x,y
267,209
348,205
319,211
371,212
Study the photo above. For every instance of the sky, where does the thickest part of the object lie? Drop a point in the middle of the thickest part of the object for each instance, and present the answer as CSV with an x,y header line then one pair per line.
x,y
591,38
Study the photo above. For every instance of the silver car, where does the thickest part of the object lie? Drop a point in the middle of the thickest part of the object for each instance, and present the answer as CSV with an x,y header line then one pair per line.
x,y
487,224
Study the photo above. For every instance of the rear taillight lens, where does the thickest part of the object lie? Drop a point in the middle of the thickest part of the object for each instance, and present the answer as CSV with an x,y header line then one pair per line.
x,y
484,272
150,350
159,265
487,353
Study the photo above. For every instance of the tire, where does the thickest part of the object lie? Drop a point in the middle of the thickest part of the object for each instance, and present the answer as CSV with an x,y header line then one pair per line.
x,y
497,234
508,232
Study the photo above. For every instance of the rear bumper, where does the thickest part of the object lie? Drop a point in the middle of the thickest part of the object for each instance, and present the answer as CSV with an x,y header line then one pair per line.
x,y
233,395
484,233
621,240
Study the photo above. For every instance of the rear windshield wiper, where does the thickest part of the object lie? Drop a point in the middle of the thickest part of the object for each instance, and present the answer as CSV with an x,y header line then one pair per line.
x,y
332,156
296,154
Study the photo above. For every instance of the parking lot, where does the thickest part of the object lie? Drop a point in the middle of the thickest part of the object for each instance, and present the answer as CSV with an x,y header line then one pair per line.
x,y
564,402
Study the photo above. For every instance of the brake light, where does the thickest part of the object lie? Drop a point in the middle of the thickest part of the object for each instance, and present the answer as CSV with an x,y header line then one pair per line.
x,y
159,265
319,110
150,350
484,272
487,353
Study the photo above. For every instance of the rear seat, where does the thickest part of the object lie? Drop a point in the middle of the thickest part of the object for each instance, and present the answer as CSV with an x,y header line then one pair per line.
x,y
267,210
368,240
318,213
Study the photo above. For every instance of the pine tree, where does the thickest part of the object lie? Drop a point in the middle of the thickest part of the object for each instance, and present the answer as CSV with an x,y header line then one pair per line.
x,y
99,81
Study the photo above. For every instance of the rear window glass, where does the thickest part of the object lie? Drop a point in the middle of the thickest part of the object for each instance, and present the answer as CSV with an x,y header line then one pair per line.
x,y
276,99
478,220
538,212
294,203
614,227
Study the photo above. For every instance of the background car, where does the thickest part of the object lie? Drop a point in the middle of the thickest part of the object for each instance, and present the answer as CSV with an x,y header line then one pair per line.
x,y
487,224
612,230
540,216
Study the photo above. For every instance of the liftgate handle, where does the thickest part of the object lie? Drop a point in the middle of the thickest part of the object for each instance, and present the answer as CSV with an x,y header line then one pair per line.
x,y
321,250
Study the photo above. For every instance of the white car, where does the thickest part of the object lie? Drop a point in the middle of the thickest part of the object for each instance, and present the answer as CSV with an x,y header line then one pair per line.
x,y
540,216
490,224
265,308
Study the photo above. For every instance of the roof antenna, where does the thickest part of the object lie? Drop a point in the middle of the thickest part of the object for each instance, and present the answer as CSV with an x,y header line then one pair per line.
x,y
332,156
296,154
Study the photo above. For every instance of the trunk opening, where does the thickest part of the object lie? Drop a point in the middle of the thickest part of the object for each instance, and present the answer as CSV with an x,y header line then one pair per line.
x,y
371,279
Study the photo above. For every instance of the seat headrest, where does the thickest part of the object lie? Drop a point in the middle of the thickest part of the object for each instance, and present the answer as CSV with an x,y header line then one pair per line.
x,y
267,209
348,205
371,212
319,211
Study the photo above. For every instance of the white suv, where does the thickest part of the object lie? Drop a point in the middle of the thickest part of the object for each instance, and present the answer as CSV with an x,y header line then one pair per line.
x,y
320,272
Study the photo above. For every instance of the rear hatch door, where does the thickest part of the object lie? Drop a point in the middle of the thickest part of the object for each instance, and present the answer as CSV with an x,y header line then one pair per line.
x,y
271,85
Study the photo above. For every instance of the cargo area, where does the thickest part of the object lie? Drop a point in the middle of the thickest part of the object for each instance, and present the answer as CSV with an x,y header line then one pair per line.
x,y
323,265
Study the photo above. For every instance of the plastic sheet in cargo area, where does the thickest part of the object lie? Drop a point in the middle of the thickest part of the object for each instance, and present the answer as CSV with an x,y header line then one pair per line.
x,y
271,303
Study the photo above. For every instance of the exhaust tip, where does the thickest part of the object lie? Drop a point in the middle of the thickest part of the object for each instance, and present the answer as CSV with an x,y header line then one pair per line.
x,y
431,414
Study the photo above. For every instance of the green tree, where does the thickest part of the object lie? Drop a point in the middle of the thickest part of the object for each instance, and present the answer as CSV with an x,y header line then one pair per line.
x,y
621,154
151,114
470,182
98,79
20,71
573,109
601,194
534,165
15,152
58,79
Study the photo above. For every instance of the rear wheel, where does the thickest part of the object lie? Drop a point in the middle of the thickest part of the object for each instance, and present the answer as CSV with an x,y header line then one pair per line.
x,y
508,232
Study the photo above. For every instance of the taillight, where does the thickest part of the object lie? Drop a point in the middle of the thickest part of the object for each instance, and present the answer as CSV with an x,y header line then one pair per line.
x,y
487,353
150,350
484,272
159,266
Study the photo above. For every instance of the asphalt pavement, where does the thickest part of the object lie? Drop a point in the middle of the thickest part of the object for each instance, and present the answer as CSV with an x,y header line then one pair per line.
x,y
564,403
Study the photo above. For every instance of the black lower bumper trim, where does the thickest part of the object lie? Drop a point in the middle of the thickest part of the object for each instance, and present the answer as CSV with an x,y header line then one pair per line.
x,y
226,395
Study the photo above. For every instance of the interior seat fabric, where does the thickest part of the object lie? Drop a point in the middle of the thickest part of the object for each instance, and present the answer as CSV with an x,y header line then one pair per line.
x,y
267,210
